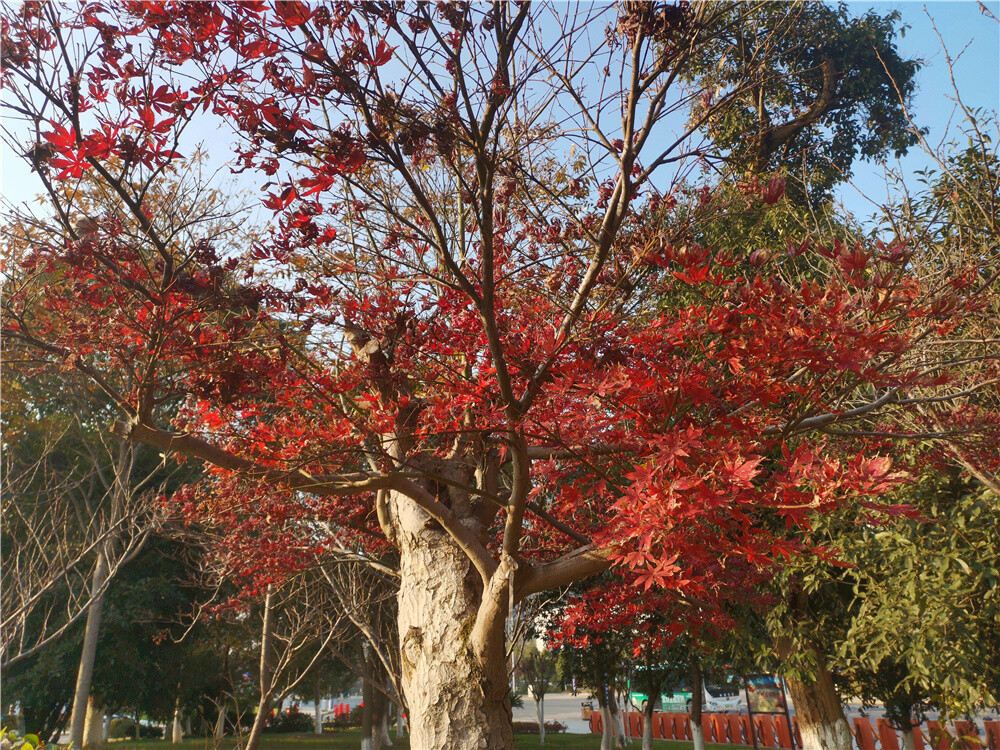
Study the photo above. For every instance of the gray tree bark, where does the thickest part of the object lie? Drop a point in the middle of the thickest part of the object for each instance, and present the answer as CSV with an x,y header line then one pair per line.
x,y
318,717
85,673
176,727
367,697
94,734
266,672
820,713
697,697
456,691
219,730
540,713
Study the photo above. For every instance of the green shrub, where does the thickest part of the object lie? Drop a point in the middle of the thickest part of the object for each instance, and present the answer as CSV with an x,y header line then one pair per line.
x,y
289,720
11,739
531,727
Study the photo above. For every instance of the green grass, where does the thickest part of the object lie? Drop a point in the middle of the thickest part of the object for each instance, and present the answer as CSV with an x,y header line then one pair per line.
x,y
351,740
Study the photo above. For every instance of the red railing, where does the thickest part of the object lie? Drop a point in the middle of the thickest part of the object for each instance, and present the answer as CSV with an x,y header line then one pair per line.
x,y
772,731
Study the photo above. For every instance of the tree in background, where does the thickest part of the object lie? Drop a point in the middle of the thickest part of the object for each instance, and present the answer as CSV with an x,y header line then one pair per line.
x,y
538,668
813,88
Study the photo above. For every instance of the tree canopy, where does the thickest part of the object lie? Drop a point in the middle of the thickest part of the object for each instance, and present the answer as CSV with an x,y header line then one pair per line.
x,y
481,332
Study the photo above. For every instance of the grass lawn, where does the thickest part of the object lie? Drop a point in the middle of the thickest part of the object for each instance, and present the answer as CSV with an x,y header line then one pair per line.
x,y
351,740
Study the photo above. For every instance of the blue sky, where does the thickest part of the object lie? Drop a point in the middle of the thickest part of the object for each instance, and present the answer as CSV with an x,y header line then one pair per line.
x,y
972,39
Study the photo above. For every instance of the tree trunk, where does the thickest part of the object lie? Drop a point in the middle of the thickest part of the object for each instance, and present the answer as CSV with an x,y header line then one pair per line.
x,y
613,730
85,672
820,713
367,697
138,726
697,696
456,699
908,743
618,724
540,713
380,706
318,717
176,729
607,726
220,722
93,732
385,740
266,672
647,720
400,721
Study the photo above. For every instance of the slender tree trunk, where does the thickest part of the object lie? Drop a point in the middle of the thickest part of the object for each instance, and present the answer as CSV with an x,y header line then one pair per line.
x,y
647,720
93,731
612,728
400,721
820,713
607,726
385,740
220,722
380,705
138,726
617,723
908,743
697,695
457,699
176,728
367,697
86,670
266,672
318,718
540,713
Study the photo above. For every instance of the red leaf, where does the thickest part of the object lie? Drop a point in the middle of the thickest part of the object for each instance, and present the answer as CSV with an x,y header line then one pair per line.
x,y
293,12
278,202
383,53
772,192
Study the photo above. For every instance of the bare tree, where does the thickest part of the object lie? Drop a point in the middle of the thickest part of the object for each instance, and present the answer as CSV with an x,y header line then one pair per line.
x,y
299,622
68,533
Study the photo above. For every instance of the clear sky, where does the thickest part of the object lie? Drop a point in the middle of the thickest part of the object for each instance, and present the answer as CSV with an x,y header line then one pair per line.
x,y
973,42
972,39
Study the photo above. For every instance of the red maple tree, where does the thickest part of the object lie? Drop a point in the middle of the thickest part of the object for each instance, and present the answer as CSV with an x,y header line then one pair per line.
x,y
482,331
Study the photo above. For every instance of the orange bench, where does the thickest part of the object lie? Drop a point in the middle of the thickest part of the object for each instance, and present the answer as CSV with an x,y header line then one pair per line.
x,y
938,736
992,734
967,734
783,731
596,724
864,735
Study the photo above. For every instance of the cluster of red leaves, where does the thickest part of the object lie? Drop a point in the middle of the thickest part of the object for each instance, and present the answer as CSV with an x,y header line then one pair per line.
x,y
653,619
676,405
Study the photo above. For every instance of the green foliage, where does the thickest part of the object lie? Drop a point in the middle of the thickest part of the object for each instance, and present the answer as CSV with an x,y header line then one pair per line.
x,y
123,728
908,608
936,579
10,738
43,684
538,669
531,727
516,700
289,720
811,89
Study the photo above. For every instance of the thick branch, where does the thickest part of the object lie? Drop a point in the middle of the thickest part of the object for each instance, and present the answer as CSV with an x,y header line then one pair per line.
x,y
341,484
581,563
